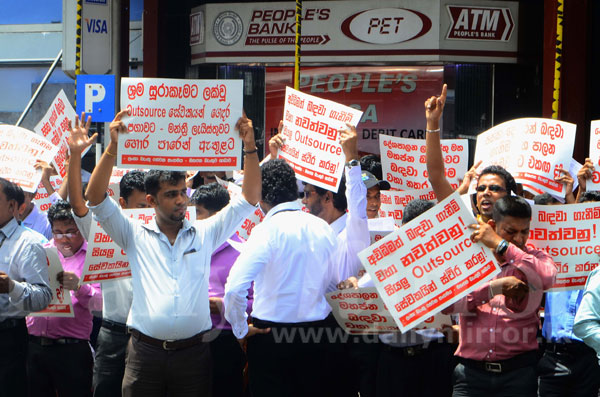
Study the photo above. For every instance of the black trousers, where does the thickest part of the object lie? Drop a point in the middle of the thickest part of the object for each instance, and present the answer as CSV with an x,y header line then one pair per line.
x,y
152,371
294,359
13,359
228,360
570,370
416,372
60,370
473,382
109,366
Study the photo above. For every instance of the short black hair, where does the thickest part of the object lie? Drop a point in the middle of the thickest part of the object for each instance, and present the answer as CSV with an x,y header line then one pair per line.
x,y
415,208
544,199
10,191
514,206
132,181
60,211
372,163
278,182
340,202
154,178
19,195
592,195
509,181
213,197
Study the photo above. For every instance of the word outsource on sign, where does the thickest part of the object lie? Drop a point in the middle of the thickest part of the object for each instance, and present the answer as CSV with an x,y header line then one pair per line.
x,y
19,150
362,311
181,124
428,263
568,233
311,137
531,149
105,260
404,161
61,304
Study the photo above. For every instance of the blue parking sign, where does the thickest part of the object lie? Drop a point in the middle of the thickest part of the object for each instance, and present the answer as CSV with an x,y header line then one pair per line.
x,y
96,96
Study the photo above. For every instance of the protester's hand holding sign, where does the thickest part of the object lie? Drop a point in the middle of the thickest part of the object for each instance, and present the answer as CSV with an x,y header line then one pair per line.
x,y
349,142
276,142
566,179
68,280
470,176
584,173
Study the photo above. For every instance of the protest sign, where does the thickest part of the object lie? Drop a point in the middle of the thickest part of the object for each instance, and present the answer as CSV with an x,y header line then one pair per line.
x,y
393,202
429,263
311,137
531,149
362,311
404,162
42,198
594,182
60,305
19,150
181,124
380,227
105,260
257,216
54,126
569,234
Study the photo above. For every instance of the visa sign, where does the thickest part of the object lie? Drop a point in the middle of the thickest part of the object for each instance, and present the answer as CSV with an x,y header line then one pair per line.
x,y
96,25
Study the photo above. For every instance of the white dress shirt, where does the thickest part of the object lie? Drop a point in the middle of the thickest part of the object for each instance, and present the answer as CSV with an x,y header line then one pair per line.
x,y
170,282
289,257
38,221
352,228
23,258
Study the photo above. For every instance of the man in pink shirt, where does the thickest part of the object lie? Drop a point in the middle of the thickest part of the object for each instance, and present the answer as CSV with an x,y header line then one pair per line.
x,y
60,359
499,321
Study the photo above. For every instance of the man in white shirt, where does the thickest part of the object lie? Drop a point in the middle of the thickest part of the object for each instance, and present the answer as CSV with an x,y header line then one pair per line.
x,y
170,259
289,257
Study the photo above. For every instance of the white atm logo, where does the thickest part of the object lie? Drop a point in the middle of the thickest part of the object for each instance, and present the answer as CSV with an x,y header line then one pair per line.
x,y
96,25
480,23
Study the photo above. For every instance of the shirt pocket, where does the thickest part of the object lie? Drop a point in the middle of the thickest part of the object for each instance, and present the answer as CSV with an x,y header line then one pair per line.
x,y
193,267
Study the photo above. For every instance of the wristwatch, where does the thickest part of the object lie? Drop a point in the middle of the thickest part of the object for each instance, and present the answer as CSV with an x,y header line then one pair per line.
x,y
352,163
502,247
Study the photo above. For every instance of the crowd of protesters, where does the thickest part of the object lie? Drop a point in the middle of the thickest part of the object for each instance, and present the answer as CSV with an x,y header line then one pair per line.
x,y
207,313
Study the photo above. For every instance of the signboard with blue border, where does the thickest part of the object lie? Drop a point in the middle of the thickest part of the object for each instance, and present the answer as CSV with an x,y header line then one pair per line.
x,y
96,96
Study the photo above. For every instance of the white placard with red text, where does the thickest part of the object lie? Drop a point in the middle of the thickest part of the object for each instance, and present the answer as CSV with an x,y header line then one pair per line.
x,y
42,198
393,202
362,311
257,216
181,124
531,149
404,163
311,137
54,126
380,227
61,304
429,263
594,182
105,260
19,150
569,233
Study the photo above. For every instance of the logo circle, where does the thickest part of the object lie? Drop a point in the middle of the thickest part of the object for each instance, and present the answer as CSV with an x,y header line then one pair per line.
x,y
228,28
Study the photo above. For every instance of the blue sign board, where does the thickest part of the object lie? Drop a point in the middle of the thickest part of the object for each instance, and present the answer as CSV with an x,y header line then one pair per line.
x,y
96,96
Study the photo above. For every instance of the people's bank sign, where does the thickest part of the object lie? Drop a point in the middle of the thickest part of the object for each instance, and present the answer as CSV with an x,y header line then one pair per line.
x,y
335,30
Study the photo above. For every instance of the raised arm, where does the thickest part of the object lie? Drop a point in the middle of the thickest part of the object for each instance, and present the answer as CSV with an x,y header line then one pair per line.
x,y
434,107
584,173
252,185
98,184
78,141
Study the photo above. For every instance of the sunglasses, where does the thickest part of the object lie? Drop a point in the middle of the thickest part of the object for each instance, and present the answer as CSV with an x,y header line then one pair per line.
x,y
493,188
63,235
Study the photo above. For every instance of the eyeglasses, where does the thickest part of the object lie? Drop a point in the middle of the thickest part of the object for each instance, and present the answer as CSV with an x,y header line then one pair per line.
x,y
63,235
307,193
493,188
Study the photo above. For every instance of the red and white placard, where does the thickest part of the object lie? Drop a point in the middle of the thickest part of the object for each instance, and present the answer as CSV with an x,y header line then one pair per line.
x,y
380,227
105,260
393,202
257,216
181,124
429,263
61,304
19,150
569,233
42,198
404,162
311,137
594,183
531,149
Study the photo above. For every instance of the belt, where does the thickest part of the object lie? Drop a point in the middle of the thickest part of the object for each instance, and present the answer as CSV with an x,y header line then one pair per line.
x,y
169,344
115,326
42,341
10,323
503,366
572,347
415,350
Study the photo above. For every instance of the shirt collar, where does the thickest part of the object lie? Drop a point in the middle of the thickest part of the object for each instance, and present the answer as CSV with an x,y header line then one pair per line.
x,y
154,227
287,206
339,224
10,227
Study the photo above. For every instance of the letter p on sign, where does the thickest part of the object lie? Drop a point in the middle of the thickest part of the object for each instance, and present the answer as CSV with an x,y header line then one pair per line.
x,y
96,96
